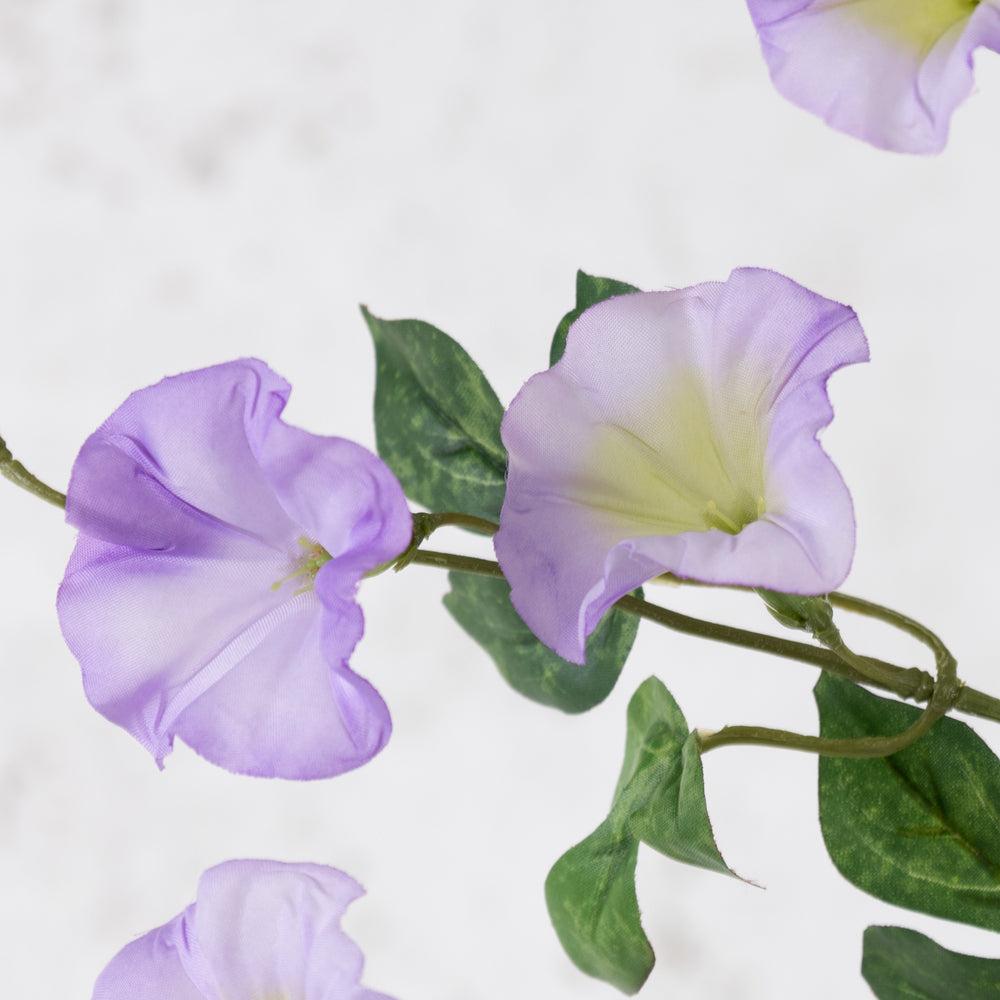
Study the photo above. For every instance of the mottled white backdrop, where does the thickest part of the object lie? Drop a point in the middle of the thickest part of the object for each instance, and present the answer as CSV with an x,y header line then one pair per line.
x,y
185,182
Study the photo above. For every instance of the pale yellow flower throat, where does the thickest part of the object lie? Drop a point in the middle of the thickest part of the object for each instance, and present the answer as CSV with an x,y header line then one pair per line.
x,y
716,518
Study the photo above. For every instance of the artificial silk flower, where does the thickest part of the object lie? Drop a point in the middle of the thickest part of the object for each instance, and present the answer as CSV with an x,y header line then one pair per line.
x,y
258,930
210,595
890,72
678,434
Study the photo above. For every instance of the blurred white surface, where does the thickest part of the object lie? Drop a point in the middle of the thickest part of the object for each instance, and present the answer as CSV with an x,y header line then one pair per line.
x,y
184,183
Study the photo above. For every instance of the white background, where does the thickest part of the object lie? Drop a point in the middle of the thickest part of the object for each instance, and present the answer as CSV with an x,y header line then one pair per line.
x,y
182,183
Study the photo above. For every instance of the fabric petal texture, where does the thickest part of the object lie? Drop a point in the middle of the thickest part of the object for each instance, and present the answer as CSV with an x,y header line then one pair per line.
x,y
890,72
678,433
211,593
149,968
258,929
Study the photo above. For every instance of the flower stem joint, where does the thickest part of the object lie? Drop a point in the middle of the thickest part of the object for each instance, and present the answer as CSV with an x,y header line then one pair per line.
x,y
808,614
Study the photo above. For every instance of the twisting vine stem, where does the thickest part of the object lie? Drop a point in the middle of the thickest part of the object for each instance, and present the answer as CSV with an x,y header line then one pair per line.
x,y
907,682
944,696
941,693
864,746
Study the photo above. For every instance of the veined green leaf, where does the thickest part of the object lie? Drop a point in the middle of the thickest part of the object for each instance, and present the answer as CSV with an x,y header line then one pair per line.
x,y
900,964
660,801
660,798
437,419
481,605
921,828
590,893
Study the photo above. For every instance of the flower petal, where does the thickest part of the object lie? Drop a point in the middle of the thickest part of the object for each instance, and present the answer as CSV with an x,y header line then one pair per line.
x,y
257,929
341,494
178,460
667,407
264,928
149,968
890,72
154,630
292,708
193,501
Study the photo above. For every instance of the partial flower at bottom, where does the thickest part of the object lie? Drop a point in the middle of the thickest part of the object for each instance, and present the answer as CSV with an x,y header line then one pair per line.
x,y
258,930
890,72
678,434
211,591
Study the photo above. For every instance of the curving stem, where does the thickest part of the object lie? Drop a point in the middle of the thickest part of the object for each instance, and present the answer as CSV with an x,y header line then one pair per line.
x,y
13,470
906,682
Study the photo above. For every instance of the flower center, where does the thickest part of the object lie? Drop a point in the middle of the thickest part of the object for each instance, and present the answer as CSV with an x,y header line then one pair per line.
x,y
314,557
732,523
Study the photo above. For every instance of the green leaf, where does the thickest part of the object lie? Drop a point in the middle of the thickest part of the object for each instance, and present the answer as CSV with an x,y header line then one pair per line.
x,y
660,801
921,828
589,291
481,605
660,796
590,893
900,964
437,419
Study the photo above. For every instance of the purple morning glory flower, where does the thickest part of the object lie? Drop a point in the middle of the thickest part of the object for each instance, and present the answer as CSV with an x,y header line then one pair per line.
x,y
890,72
211,592
259,930
678,434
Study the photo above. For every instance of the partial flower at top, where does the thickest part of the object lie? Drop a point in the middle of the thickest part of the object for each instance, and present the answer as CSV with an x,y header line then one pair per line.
x,y
211,591
258,930
890,72
678,434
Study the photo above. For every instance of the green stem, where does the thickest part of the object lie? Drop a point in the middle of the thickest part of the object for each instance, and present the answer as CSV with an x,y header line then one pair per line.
x,y
974,702
469,521
898,620
462,564
943,699
872,673
943,694
861,747
906,682
948,684
791,649
946,694
903,683
424,525
13,470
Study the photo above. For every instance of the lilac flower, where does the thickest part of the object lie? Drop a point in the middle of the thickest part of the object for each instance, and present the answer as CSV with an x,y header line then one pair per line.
x,y
211,592
259,930
678,434
890,72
